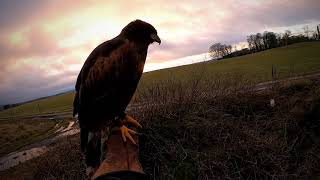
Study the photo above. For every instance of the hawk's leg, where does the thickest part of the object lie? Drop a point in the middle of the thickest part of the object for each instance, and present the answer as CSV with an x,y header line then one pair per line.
x,y
126,132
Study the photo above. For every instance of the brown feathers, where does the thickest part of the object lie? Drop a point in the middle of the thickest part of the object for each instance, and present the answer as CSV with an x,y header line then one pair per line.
x,y
110,75
107,82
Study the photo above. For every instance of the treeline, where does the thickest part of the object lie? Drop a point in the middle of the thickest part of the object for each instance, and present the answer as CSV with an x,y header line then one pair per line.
x,y
263,41
8,106
220,50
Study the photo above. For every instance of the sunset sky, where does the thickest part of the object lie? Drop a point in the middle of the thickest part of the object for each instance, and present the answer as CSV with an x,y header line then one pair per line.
x,y
43,44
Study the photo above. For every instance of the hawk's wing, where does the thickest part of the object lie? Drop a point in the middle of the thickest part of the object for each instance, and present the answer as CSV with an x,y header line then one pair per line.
x,y
103,50
88,80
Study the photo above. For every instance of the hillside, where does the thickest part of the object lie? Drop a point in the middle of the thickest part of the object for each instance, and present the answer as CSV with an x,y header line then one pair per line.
x,y
220,134
300,58
51,104
296,59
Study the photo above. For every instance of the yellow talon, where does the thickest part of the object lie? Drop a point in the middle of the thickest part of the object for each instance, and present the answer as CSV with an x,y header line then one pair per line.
x,y
132,121
125,133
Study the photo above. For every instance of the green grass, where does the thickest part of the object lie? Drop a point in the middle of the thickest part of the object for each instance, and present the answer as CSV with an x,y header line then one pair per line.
x,y
301,58
48,105
296,59
18,133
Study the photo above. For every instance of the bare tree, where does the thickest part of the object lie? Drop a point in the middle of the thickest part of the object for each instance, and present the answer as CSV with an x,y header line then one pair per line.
x,y
228,49
250,40
306,31
259,42
318,32
286,37
214,50
219,50
314,35
270,40
279,39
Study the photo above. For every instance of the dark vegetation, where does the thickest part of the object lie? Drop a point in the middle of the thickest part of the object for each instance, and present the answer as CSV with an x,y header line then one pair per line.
x,y
204,129
232,133
263,41
63,161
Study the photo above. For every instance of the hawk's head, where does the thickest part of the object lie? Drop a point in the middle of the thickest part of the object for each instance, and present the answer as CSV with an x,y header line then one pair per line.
x,y
141,32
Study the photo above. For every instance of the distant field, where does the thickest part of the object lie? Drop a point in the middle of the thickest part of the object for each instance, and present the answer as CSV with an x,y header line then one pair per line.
x,y
296,59
48,105
18,133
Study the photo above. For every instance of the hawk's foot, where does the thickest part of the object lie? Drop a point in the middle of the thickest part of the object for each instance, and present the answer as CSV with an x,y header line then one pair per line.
x,y
126,132
130,120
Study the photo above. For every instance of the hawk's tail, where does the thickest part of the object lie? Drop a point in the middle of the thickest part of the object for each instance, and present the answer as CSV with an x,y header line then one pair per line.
x,y
91,147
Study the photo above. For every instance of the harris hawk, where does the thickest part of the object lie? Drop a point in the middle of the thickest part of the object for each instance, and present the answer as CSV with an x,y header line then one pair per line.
x,y
106,84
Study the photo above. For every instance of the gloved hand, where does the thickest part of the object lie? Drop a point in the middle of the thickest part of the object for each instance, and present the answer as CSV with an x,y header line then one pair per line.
x,y
121,160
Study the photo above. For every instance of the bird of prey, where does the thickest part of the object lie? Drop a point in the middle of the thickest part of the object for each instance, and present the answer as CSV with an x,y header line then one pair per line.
x,y
106,84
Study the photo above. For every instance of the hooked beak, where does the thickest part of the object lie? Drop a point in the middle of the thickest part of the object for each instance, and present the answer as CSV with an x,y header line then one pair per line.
x,y
155,38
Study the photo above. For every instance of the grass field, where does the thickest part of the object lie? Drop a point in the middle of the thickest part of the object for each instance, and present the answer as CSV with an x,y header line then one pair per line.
x,y
48,105
301,58
295,59
18,133
226,134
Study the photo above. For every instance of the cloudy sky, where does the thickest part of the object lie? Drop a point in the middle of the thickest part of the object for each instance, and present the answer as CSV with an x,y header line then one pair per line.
x,y
43,44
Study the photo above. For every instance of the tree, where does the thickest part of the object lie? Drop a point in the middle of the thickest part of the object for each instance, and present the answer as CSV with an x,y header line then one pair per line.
x,y
214,50
315,35
259,42
228,49
270,40
306,31
219,50
250,40
279,39
286,37
318,32
256,42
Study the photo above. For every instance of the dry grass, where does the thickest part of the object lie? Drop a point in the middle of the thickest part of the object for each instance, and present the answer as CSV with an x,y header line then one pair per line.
x,y
203,129
63,161
192,132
